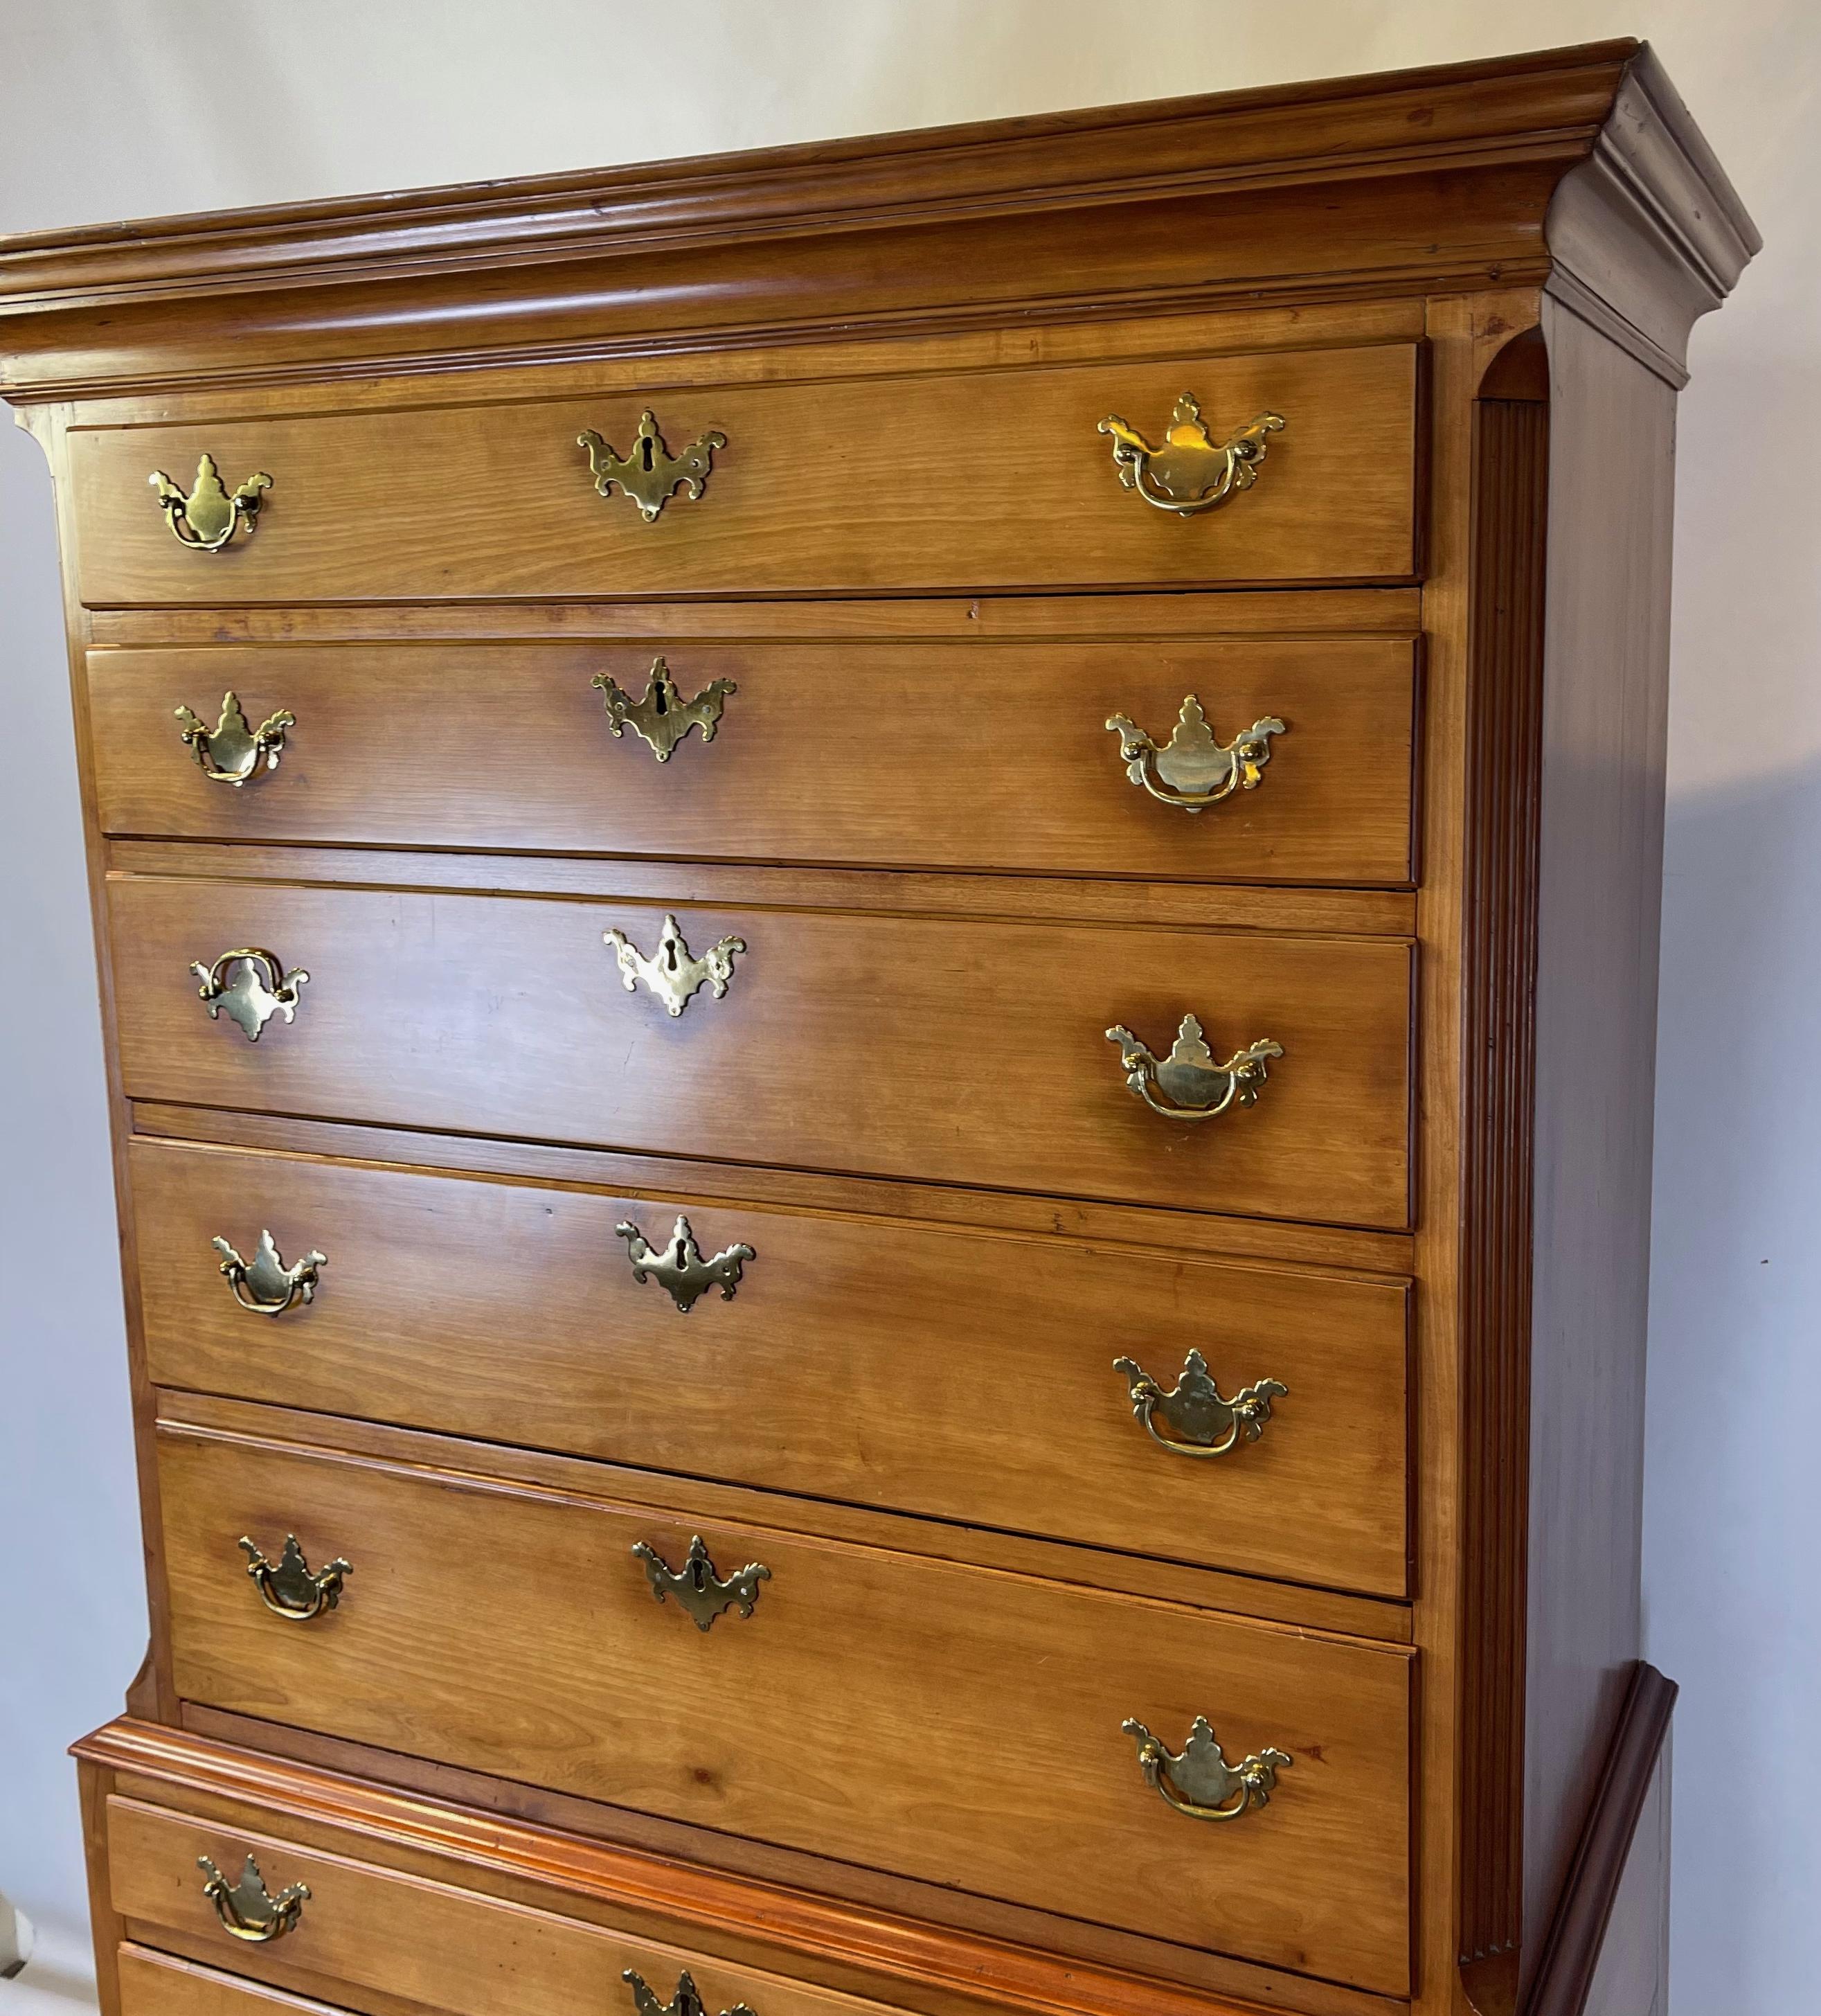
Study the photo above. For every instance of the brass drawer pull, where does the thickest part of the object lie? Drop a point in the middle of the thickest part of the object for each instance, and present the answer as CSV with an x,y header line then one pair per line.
x,y
1201,1783
696,1586
679,1267
662,717
686,2002
672,974
1193,1085
290,1590
1201,1422
1189,473
231,752
209,517
650,474
1191,770
247,1909
252,985
266,1285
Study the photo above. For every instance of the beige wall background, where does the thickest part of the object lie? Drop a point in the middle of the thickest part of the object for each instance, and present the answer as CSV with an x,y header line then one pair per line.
x,y
131,108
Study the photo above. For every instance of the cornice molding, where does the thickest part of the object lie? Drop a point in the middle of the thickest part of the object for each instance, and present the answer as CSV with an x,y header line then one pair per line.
x,y
1407,182
1648,234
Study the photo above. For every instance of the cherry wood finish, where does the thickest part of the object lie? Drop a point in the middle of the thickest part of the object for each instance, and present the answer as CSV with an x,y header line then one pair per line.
x,y
909,342
463,1954
156,1983
1202,1233
1439,180
502,1310
977,1741
1621,1870
1504,745
844,1943
826,753
983,479
1147,1575
1271,617
966,1053
925,893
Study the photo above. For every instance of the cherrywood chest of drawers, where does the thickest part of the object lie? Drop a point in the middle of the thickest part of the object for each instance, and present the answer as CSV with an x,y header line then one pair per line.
x,y
878,927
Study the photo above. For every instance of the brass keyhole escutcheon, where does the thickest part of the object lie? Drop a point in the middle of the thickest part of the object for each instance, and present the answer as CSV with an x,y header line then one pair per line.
x,y
650,475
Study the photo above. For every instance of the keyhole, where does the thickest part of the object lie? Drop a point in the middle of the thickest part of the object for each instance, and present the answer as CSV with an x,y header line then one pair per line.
x,y
660,703
647,456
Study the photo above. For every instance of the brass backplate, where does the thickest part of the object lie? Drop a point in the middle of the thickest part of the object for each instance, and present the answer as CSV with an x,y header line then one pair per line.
x,y
673,973
686,2002
1192,1085
702,1594
1191,770
663,717
288,1587
1190,472
265,1284
1200,1782
249,985
649,473
247,1909
679,1269
1200,1421
231,752
207,519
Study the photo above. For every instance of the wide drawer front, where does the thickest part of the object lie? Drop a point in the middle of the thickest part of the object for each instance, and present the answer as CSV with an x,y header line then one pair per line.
x,y
966,1727
366,1927
979,478
996,756
963,1375
971,1052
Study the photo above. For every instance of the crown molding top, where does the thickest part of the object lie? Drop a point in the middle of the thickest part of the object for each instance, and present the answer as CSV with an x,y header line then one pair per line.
x,y
1403,182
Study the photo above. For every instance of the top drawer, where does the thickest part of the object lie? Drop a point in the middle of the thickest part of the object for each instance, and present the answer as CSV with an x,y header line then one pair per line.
x,y
991,479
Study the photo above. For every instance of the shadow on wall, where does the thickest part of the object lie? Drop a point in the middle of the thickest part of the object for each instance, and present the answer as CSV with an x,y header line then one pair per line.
x,y
1732,1483
71,1584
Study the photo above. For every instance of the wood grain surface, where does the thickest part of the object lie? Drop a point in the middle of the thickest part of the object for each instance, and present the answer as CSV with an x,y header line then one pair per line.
x,y
431,1943
826,753
960,1375
887,1046
955,1725
972,480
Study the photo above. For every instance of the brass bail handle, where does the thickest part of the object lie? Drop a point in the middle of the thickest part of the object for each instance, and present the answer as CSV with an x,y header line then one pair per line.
x,y
207,520
1203,1423
247,1909
264,1284
232,752
288,1587
1191,770
1190,472
1198,1783
1188,1084
249,985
